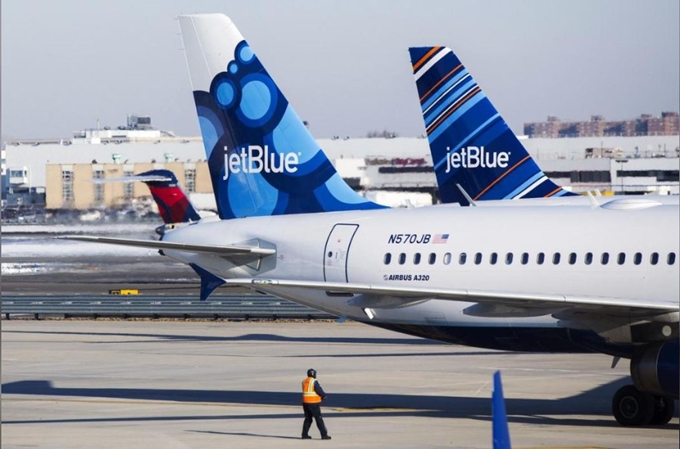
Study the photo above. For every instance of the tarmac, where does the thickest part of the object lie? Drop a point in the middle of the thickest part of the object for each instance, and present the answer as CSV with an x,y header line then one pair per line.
x,y
202,384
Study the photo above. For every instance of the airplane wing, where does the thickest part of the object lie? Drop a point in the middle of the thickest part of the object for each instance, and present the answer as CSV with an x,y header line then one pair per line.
x,y
542,304
231,250
614,319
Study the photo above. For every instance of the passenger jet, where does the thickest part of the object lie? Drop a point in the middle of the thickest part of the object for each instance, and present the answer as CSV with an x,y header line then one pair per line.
x,y
592,278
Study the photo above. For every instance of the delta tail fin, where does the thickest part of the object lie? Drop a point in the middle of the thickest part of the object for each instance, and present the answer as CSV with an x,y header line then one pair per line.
x,y
173,204
472,146
262,158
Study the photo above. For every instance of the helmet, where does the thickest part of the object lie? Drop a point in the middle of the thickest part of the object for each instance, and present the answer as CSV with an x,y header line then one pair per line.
x,y
311,373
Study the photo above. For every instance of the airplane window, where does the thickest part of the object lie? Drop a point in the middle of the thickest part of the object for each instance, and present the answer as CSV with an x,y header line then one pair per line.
x,y
637,259
330,253
654,258
572,258
388,258
447,258
605,258
462,258
416,258
556,258
402,259
478,258
508,258
589,258
493,258
671,258
525,258
621,259
540,258
432,259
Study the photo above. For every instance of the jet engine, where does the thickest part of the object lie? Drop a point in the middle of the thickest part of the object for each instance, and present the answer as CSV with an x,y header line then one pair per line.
x,y
655,369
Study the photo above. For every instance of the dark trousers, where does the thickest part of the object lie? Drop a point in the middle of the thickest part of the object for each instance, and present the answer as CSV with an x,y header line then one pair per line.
x,y
313,411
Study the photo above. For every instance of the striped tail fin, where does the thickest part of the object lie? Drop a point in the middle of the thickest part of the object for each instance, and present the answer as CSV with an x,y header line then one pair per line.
x,y
470,142
262,158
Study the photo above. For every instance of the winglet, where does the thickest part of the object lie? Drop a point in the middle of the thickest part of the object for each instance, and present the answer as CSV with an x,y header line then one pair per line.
x,y
501,434
593,202
209,282
465,195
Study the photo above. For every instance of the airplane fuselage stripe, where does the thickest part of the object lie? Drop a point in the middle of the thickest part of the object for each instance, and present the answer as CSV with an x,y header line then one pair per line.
x,y
440,81
555,191
456,114
523,186
444,90
501,177
534,185
451,109
448,99
425,57
423,70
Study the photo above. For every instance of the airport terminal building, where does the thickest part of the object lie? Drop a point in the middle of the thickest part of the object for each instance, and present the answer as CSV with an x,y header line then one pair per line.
x,y
394,171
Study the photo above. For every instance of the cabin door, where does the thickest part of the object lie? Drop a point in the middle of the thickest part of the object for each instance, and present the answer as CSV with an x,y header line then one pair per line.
x,y
336,252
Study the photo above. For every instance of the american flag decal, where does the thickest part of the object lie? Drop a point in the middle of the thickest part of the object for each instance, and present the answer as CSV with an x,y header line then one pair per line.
x,y
440,238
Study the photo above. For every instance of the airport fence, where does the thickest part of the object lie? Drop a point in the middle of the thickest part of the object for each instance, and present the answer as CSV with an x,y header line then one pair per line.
x,y
155,306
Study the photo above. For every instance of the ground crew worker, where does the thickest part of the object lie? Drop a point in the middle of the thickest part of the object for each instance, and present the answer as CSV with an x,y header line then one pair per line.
x,y
312,395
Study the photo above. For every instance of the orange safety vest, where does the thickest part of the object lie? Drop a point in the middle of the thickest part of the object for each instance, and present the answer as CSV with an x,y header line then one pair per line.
x,y
309,396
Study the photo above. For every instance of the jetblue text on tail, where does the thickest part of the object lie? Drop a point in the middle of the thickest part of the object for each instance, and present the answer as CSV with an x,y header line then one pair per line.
x,y
473,157
255,159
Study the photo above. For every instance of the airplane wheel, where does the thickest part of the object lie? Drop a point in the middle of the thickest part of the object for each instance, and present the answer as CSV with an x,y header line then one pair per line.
x,y
632,407
663,410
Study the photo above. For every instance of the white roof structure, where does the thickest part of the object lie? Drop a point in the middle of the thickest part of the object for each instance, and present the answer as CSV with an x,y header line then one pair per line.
x,y
35,154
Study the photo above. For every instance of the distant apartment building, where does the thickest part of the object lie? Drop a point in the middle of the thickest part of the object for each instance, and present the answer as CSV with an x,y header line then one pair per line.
x,y
645,125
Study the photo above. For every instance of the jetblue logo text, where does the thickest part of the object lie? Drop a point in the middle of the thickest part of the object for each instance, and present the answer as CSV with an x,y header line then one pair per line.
x,y
256,159
473,157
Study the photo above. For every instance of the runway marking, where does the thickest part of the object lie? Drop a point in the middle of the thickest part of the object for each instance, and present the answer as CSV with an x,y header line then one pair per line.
x,y
482,387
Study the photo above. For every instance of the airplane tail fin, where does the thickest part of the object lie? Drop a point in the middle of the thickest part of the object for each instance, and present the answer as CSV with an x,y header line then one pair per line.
x,y
173,204
501,434
470,142
262,158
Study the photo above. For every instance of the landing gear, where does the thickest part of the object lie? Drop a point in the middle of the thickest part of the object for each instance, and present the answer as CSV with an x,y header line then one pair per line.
x,y
632,407
663,410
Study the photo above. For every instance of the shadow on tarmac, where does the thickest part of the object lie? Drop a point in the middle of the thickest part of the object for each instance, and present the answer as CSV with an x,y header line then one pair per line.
x,y
563,411
250,337
245,434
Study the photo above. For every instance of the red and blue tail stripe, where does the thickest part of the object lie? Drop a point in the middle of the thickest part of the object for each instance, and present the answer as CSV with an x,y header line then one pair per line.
x,y
173,205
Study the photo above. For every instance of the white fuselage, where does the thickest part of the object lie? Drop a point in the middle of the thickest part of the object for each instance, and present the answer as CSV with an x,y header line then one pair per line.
x,y
353,247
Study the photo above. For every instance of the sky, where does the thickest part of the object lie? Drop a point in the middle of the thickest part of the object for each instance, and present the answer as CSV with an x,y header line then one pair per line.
x,y
343,65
